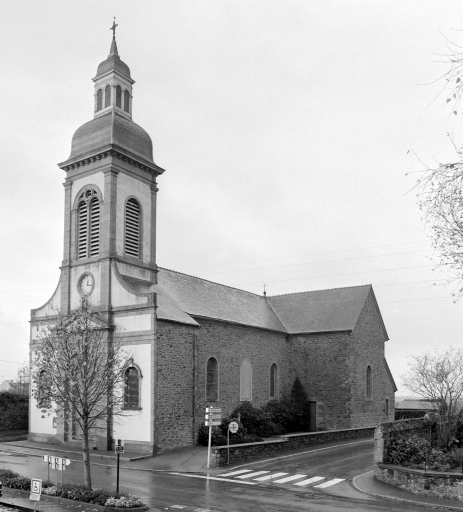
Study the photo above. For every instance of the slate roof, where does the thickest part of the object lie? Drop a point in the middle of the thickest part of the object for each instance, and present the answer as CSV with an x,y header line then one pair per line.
x,y
201,298
410,404
331,310
181,297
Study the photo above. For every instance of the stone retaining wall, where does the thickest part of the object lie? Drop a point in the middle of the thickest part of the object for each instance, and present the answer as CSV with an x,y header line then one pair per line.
x,y
288,442
418,481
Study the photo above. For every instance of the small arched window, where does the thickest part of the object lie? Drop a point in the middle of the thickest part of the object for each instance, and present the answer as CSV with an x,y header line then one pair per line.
x,y
107,96
88,224
126,101
212,380
132,227
118,96
99,100
274,381
246,381
369,386
132,388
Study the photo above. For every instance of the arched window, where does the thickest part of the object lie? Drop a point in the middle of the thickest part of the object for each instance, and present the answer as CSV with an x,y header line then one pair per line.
x,y
274,381
126,101
118,96
132,228
88,224
107,96
132,388
369,387
212,380
246,381
99,100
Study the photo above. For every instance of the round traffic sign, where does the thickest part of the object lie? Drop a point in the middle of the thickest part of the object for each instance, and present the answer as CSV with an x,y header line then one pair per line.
x,y
233,427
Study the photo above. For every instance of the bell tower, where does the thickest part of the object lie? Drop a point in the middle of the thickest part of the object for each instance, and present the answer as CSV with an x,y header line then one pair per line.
x,y
109,256
110,192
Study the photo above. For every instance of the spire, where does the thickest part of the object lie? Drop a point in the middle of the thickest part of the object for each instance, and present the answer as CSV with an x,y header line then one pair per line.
x,y
113,50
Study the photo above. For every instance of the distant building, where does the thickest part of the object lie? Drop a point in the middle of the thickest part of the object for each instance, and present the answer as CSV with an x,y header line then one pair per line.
x,y
11,386
414,408
195,343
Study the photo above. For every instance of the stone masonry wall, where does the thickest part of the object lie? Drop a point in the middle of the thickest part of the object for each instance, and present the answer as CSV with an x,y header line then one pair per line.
x,y
174,400
321,362
230,344
287,443
366,347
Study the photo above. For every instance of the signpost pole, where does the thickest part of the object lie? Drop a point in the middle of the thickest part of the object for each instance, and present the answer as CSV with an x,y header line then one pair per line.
x,y
209,447
117,486
228,446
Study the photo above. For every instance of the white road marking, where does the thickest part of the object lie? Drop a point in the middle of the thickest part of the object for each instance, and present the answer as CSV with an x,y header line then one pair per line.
x,y
269,477
250,475
288,479
310,481
233,473
330,483
206,477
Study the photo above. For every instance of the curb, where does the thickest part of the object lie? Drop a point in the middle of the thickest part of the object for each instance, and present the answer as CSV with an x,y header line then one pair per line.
x,y
400,500
60,450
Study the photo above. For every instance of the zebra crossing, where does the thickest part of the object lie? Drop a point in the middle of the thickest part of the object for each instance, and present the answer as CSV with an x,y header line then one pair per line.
x,y
298,480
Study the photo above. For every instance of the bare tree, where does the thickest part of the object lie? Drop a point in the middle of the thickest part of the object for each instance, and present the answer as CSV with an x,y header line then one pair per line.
x,y
440,187
78,373
438,377
441,201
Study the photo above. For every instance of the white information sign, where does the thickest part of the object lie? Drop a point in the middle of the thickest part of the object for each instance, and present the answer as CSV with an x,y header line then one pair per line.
x,y
36,486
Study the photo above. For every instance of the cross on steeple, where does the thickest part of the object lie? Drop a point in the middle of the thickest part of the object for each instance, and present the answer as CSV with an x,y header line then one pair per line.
x,y
113,28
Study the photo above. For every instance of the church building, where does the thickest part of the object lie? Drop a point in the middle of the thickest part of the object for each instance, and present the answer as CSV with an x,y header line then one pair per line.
x,y
194,343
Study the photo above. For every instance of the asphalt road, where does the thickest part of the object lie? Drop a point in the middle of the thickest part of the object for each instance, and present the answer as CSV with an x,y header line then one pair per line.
x,y
223,493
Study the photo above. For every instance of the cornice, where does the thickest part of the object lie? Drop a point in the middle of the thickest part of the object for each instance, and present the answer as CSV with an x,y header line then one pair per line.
x,y
106,153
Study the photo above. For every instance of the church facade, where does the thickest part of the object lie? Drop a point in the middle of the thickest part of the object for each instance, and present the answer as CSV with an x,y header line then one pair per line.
x,y
194,343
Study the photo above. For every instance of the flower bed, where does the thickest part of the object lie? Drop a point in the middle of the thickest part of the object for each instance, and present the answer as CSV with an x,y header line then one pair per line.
x,y
110,500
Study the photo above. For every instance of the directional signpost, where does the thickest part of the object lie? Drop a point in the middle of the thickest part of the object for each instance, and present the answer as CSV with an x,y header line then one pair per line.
x,y
57,463
213,418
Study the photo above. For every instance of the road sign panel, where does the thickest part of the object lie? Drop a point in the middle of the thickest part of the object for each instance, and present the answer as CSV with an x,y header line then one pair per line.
x,y
34,497
213,409
233,427
214,416
213,423
119,448
36,486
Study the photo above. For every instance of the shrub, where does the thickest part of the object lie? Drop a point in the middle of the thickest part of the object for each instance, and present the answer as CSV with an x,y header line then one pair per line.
x,y
404,450
71,491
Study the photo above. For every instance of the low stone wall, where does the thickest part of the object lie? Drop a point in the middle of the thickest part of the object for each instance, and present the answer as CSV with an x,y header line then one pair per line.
x,y
418,481
288,442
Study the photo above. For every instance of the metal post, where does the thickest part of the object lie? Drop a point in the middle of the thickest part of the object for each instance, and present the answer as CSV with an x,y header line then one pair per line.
x,y
117,486
209,447
228,445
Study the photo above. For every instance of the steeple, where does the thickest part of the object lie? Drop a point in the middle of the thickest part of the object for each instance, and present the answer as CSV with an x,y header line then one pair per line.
x,y
113,83
113,50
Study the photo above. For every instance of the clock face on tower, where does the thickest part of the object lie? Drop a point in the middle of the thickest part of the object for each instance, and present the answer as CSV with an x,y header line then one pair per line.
x,y
86,284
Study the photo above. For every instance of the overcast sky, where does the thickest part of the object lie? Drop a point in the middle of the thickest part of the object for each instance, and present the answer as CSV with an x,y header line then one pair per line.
x,y
283,127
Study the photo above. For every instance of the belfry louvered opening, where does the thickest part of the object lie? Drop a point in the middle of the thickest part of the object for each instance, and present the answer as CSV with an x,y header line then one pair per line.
x,y
132,227
88,225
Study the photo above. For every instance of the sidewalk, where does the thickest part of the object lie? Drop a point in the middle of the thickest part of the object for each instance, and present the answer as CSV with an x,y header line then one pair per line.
x,y
193,460
367,484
